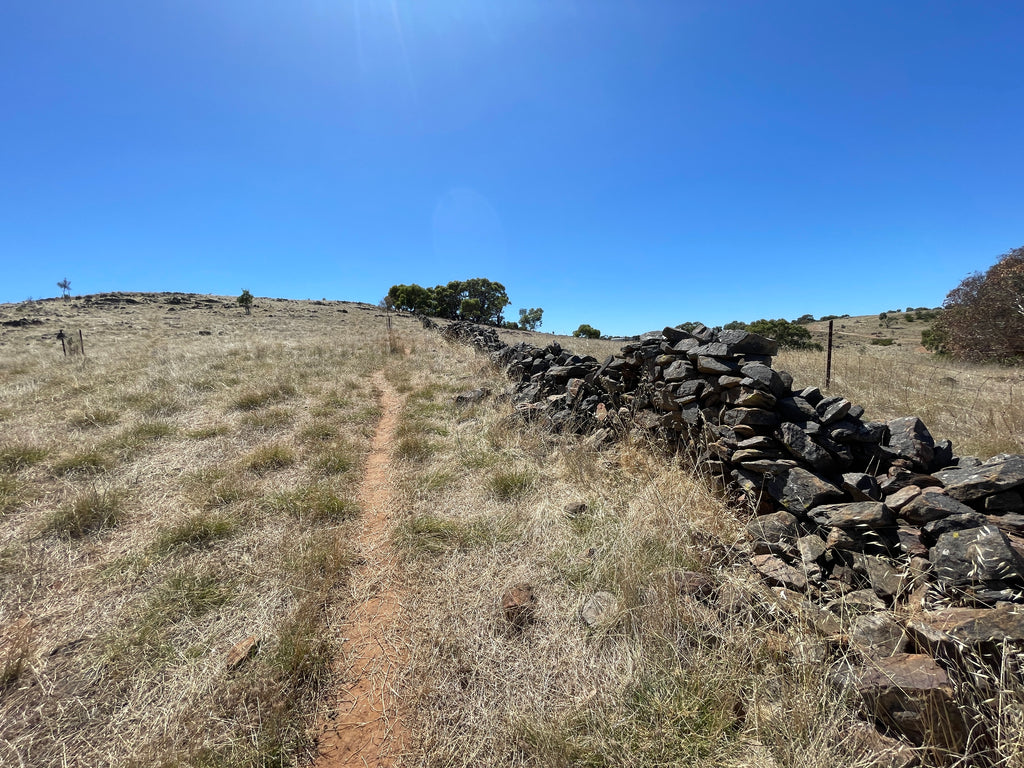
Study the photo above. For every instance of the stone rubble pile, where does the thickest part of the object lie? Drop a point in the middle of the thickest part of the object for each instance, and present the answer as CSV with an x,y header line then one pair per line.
x,y
864,517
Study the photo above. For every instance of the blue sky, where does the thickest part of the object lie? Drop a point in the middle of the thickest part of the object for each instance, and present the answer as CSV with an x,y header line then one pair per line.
x,y
627,165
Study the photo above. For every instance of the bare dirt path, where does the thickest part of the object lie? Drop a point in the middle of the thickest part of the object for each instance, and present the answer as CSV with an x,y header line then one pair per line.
x,y
365,726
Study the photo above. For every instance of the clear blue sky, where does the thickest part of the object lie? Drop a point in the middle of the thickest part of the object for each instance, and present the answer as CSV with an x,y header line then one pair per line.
x,y
624,164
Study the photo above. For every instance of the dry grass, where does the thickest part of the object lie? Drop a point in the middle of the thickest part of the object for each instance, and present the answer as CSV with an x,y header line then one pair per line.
x,y
163,498
230,448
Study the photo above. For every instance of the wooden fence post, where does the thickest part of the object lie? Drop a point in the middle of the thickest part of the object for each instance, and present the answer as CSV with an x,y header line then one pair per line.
x,y
828,357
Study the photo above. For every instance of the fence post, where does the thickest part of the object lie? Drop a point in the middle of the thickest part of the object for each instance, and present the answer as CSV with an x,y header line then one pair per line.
x,y
81,342
828,357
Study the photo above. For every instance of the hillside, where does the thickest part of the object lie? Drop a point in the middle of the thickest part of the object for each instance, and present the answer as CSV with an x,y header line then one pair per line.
x,y
224,534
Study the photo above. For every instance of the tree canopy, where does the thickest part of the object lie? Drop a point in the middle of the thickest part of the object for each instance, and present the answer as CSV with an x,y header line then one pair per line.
x,y
787,334
983,317
530,319
586,332
477,299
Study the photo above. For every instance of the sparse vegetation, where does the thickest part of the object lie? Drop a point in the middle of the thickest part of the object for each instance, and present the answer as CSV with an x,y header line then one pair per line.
x,y
245,301
90,511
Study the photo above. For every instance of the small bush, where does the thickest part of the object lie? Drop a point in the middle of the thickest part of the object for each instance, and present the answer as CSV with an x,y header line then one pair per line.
x,y
91,511
882,342
268,458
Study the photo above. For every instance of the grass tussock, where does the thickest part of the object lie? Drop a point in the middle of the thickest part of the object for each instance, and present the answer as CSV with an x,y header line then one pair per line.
x,y
252,399
269,458
134,671
511,484
91,511
18,456
433,534
89,462
196,531
311,504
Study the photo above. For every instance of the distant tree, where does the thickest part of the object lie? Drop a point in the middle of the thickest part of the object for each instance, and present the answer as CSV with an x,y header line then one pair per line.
x,y
65,288
245,301
586,332
983,317
489,297
884,318
530,319
805,319
411,298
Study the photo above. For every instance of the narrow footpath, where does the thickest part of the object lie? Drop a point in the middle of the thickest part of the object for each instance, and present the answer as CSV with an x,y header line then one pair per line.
x,y
365,726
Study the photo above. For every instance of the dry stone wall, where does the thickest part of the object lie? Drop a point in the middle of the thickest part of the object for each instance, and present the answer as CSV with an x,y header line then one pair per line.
x,y
867,518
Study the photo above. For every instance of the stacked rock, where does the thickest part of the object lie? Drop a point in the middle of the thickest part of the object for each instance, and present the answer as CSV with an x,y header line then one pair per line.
x,y
844,503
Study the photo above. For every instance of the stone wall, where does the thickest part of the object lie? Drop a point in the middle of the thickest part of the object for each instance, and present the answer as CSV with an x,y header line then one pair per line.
x,y
874,520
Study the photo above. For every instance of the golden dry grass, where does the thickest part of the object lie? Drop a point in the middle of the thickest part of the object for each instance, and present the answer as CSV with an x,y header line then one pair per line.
x,y
232,447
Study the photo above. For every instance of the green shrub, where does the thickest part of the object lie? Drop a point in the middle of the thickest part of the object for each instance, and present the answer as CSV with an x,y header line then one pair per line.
x,y
268,458
882,342
91,511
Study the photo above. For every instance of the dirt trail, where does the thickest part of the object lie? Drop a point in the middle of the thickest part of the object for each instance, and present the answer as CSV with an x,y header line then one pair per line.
x,y
365,728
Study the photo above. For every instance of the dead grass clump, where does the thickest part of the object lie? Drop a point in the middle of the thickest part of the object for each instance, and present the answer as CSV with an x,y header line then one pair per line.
x,y
90,511
89,462
311,504
268,458
93,419
153,404
268,420
432,534
195,531
415,448
216,487
10,494
17,645
336,459
18,456
318,432
252,399
511,484
206,433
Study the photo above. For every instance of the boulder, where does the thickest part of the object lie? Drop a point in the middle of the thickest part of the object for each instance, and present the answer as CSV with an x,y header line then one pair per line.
x,y
803,447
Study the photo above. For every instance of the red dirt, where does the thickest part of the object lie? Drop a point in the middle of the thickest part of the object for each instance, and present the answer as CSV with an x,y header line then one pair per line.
x,y
365,726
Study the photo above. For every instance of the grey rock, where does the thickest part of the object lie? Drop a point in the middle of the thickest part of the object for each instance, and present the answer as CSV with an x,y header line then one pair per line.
x,y
882,577
746,343
959,522
600,609
902,497
678,371
878,635
871,514
994,476
911,694
977,555
861,487
943,630
799,490
777,573
773,534
765,378
1007,501
834,411
707,364
802,447
926,507
812,549
797,409
910,438
751,417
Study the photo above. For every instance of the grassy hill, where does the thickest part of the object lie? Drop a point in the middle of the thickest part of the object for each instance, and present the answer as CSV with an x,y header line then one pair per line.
x,y
191,486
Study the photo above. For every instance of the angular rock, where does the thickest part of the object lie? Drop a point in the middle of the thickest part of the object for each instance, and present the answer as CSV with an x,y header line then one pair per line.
x,y
1007,501
600,609
519,606
764,377
812,549
832,412
707,364
472,396
1010,522
931,531
797,409
994,476
678,371
777,573
967,626
871,514
912,694
861,487
910,438
802,447
877,635
902,497
977,555
241,652
799,490
926,507
773,534
746,343
882,577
